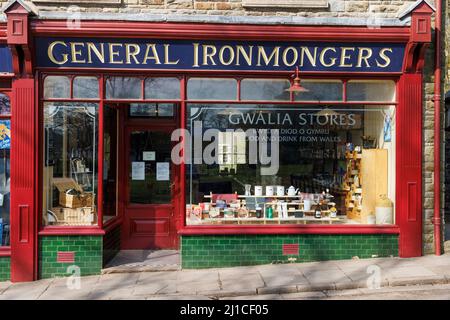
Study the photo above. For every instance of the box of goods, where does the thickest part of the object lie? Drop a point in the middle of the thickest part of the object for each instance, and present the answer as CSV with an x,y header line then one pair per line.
x,y
78,217
71,194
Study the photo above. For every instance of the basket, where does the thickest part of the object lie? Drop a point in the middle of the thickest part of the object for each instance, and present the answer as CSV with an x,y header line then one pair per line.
x,y
73,217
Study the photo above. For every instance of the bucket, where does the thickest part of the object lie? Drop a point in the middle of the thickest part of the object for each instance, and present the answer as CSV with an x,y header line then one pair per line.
x,y
384,210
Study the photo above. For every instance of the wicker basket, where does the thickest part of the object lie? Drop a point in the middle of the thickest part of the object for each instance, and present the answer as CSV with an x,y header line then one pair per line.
x,y
73,217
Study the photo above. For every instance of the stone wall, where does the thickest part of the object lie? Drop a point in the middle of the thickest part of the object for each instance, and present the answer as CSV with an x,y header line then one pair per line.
x,y
336,8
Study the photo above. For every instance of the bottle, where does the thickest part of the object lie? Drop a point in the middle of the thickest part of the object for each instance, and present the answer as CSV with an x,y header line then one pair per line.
x,y
318,213
258,211
269,212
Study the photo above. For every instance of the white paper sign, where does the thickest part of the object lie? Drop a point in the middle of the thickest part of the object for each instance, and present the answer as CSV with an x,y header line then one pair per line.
x,y
162,171
149,156
138,171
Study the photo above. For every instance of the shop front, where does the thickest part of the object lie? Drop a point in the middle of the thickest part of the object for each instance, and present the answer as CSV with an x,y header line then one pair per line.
x,y
183,136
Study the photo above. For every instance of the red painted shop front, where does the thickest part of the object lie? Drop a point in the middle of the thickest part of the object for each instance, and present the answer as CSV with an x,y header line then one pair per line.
x,y
101,134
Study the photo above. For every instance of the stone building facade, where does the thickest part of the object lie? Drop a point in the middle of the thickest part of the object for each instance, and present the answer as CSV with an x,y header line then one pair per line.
x,y
371,13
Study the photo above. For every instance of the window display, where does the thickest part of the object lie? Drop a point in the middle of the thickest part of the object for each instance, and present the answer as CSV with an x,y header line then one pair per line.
x,y
291,164
70,163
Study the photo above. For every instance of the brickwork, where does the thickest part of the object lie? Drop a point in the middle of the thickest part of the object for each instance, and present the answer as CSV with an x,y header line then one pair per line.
x,y
5,268
241,250
88,255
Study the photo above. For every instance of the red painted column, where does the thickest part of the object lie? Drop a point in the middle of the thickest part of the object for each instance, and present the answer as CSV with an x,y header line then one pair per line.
x,y
409,165
23,177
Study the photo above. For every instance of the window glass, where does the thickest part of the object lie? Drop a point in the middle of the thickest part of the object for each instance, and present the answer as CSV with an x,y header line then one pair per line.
x,y
5,104
56,87
265,89
320,90
146,110
123,88
70,164
85,87
212,89
371,90
278,164
162,88
110,163
5,166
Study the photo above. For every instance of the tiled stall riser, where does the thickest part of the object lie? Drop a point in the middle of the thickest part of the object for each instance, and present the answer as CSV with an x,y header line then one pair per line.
x,y
88,255
242,250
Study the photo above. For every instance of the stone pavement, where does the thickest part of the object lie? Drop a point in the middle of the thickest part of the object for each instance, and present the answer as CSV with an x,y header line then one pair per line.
x,y
265,281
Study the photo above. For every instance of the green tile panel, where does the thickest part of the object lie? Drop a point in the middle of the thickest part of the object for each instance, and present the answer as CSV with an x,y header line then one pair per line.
x,y
88,255
243,250
5,268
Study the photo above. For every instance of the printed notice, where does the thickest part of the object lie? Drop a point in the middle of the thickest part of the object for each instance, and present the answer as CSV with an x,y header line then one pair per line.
x,y
162,171
149,156
138,171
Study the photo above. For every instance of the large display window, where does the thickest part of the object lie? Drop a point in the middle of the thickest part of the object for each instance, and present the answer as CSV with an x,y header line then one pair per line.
x,y
274,163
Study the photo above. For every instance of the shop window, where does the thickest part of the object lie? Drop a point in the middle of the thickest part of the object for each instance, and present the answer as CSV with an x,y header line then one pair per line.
x,y
162,88
150,110
85,88
70,164
284,164
212,89
265,90
320,90
370,90
5,105
56,87
123,88
5,166
110,162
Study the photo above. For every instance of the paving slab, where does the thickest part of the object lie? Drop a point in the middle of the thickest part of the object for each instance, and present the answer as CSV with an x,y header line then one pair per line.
x,y
26,290
304,296
144,261
116,281
4,285
408,272
325,276
243,282
178,297
256,297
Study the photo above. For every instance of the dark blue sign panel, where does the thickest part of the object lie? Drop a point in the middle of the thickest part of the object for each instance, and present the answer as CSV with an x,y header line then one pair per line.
x,y
219,55
5,60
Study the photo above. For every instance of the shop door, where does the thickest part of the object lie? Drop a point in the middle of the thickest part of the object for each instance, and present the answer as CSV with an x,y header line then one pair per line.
x,y
149,208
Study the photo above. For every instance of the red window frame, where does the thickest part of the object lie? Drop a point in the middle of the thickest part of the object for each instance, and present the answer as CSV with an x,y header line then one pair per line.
x,y
184,229
5,251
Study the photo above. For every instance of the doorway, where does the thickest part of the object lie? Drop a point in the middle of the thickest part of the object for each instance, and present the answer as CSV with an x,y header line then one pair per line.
x,y
147,187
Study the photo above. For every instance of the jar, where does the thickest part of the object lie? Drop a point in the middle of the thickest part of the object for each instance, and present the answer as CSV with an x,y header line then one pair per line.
x,y
383,210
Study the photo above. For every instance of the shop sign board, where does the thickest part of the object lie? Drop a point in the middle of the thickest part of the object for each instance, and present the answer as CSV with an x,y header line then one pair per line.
x,y
219,55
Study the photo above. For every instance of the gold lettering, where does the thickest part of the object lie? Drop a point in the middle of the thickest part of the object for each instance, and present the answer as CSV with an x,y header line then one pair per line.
x,y
209,55
195,55
76,52
154,56
345,57
322,57
221,55
131,51
387,60
364,55
51,56
294,59
166,55
247,56
275,55
113,53
99,53
312,58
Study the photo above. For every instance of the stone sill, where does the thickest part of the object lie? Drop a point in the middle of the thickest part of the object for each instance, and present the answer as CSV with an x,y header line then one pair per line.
x,y
80,1
285,4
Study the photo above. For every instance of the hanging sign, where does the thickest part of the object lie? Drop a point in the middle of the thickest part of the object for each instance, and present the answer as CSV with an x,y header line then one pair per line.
x,y
137,171
219,55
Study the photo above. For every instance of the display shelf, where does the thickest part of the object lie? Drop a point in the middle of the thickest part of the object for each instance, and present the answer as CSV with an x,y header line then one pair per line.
x,y
304,220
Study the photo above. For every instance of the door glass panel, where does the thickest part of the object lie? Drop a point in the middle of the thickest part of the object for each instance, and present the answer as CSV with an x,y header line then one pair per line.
x,y
149,167
110,162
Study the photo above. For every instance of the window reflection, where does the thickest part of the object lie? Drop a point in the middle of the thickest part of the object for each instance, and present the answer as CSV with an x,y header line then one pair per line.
x,y
265,89
212,89
123,88
56,87
162,88
5,104
70,163
85,87
5,181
